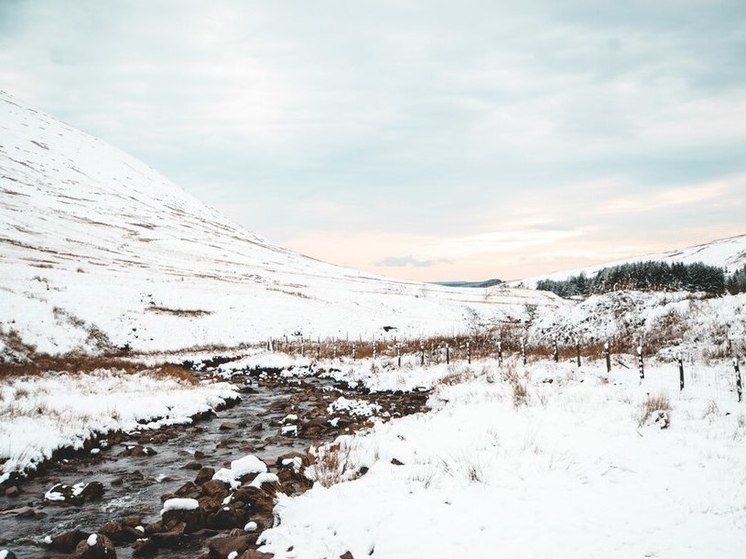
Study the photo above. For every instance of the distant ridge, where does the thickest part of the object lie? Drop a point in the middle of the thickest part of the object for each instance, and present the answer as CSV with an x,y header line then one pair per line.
x,y
477,284
728,253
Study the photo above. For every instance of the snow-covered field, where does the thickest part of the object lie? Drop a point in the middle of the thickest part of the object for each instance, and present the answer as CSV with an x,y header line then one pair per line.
x,y
567,468
41,414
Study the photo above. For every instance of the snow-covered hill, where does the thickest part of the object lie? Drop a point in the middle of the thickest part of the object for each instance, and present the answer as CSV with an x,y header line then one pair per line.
x,y
727,253
98,251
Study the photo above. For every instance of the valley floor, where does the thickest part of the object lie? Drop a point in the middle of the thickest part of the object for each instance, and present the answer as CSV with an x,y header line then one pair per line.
x,y
543,461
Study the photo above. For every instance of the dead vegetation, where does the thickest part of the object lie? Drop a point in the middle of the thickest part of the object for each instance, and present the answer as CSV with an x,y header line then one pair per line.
x,y
518,385
656,408
75,363
333,464
178,312
504,343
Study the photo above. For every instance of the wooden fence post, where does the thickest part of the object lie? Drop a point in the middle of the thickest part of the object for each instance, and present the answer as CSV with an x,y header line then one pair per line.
x,y
398,355
577,350
448,354
739,386
640,362
556,350
499,354
607,354
468,352
422,355
354,352
681,371
523,350
374,350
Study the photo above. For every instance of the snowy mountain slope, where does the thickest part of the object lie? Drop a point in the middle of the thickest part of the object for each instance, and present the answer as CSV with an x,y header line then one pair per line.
x,y
729,253
99,251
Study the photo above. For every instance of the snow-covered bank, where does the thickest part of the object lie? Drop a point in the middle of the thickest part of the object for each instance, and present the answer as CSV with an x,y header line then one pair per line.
x,y
567,468
697,325
41,414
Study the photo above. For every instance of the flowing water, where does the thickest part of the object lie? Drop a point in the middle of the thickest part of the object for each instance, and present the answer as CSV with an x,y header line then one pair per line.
x,y
134,485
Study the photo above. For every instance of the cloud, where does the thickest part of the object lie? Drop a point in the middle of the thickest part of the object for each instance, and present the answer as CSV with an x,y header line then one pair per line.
x,y
405,261
720,190
465,129
493,242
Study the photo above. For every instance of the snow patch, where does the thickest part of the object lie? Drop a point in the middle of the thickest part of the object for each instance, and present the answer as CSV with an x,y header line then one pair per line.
x,y
249,464
179,504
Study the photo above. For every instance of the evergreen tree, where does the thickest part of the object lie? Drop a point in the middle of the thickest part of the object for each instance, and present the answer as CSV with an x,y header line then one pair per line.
x,y
650,276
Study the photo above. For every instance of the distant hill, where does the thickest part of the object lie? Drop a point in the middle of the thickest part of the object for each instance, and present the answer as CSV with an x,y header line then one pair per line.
x,y
728,253
101,253
477,284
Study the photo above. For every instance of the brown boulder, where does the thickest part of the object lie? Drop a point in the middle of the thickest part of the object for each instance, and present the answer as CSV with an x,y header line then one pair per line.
x,y
144,548
210,504
189,490
170,538
258,499
221,547
92,491
61,494
131,521
139,451
96,546
67,541
193,519
215,488
117,532
205,474
226,518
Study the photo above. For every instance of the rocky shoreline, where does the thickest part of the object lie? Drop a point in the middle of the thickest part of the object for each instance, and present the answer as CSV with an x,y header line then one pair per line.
x,y
215,514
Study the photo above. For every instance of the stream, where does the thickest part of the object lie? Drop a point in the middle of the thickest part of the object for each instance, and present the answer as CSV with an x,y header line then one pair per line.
x,y
133,485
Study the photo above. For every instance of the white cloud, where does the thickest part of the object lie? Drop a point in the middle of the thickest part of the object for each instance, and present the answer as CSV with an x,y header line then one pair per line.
x,y
471,129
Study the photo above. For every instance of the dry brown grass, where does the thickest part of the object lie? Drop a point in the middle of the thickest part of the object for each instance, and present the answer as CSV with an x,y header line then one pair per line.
x,y
71,363
457,377
178,312
482,346
518,386
652,405
177,372
85,364
332,464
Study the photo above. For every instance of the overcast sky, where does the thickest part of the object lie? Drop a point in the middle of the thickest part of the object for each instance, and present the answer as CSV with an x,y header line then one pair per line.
x,y
425,140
